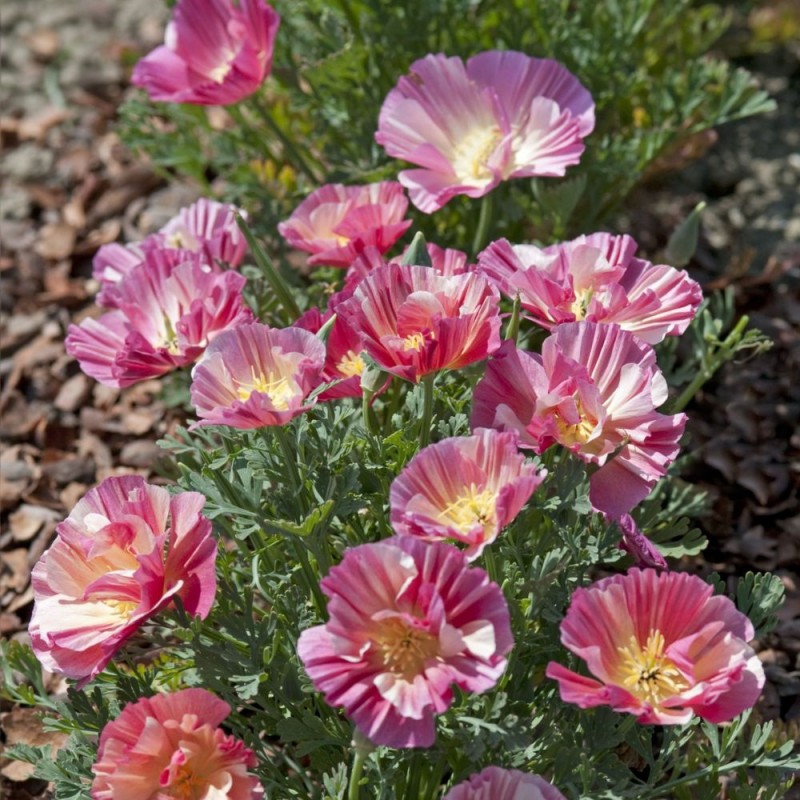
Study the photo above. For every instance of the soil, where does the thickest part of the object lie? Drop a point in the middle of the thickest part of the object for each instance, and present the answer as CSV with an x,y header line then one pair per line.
x,y
70,186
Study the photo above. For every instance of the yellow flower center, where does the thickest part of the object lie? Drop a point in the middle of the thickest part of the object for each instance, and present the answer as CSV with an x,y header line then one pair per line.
x,y
122,608
350,364
218,74
471,508
170,338
414,342
578,433
187,785
177,240
279,390
649,674
472,153
404,650
581,303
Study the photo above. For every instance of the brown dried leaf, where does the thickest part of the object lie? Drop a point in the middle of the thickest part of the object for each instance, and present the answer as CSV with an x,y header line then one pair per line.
x,y
14,570
43,42
73,393
56,241
29,520
140,421
21,416
107,232
37,125
141,454
24,726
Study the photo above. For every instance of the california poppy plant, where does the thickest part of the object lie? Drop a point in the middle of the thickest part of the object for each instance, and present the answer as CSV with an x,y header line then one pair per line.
x,y
660,646
407,620
124,553
215,53
414,321
470,126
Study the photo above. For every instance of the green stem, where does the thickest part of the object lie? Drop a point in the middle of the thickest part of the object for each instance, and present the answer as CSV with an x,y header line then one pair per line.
x,y
354,787
312,580
658,791
370,422
393,406
300,160
427,410
706,372
512,331
414,776
289,457
435,778
484,221
270,272
249,134
491,565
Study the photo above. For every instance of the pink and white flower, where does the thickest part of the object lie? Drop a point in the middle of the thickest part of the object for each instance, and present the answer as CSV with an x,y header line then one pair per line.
x,y
407,620
466,488
123,554
336,222
209,228
255,375
206,228
596,278
165,317
594,390
215,52
171,746
494,783
661,646
444,260
343,362
413,321
502,115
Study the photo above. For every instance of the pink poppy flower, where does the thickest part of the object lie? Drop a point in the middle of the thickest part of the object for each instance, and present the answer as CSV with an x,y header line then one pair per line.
x,y
502,115
255,375
209,228
414,321
170,746
114,261
662,647
336,222
445,261
206,228
595,278
407,620
165,317
343,362
494,783
466,488
215,53
594,390
107,572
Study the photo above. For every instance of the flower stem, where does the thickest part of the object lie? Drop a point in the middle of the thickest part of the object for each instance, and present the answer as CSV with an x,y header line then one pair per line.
x,y
353,791
270,272
248,132
312,581
708,369
427,410
370,423
289,458
491,566
512,331
299,159
484,221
